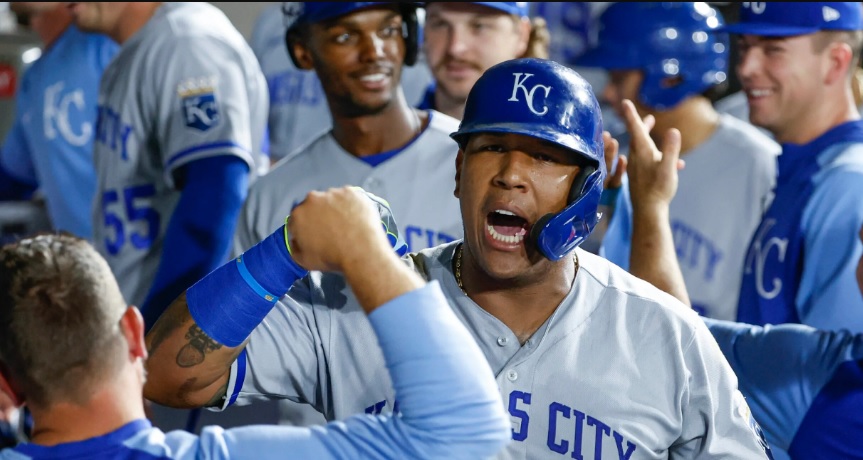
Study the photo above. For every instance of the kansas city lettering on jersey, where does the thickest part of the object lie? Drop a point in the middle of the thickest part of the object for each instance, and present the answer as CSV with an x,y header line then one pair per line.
x,y
570,431
111,132
295,88
695,250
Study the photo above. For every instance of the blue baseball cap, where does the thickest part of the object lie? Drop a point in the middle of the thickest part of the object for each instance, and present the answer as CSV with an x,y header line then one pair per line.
x,y
516,8
783,19
314,12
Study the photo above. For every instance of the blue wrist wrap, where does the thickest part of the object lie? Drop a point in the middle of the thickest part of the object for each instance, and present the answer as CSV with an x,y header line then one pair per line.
x,y
609,196
230,302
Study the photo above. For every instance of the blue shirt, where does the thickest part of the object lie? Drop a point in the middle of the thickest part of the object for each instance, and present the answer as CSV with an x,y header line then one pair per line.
x,y
51,140
427,102
801,262
803,385
449,406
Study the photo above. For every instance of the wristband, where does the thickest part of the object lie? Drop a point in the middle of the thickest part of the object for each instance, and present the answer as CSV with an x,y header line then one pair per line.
x,y
609,196
230,302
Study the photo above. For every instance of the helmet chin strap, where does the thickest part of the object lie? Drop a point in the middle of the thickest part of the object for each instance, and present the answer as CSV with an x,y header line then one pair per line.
x,y
555,235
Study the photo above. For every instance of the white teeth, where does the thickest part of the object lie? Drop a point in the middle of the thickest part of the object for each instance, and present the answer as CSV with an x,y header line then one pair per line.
x,y
375,77
504,212
760,92
509,239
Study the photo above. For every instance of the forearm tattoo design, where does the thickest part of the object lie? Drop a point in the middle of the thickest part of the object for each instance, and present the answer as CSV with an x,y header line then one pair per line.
x,y
194,352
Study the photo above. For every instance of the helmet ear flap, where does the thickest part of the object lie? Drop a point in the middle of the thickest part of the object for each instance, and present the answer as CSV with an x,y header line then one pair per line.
x,y
410,33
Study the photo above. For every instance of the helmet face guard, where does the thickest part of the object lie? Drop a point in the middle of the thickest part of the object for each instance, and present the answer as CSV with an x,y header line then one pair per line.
x,y
545,100
675,45
297,14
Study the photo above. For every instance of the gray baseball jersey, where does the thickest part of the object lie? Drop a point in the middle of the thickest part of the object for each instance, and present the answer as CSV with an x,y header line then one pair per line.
x,y
298,105
418,182
184,87
723,192
620,370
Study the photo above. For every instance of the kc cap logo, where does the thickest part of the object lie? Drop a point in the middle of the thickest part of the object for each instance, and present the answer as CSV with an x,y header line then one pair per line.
x,y
829,14
756,7
518,83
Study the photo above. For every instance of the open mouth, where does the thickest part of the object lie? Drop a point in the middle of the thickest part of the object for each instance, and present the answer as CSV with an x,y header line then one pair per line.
x,y
506,226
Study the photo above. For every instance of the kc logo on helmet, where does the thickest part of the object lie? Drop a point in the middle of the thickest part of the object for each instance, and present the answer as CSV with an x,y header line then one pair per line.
x,y
528,93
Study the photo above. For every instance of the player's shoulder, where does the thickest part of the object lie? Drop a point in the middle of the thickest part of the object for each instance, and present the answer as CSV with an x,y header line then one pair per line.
x,y
442,123
745,140
300,161
430,263
198,25
435,138
613,288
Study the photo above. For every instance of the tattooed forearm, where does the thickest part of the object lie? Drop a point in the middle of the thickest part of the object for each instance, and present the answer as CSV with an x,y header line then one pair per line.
x,y
194,352
170,321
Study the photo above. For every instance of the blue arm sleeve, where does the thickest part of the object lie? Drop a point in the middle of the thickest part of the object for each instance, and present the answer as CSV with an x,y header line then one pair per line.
x,y
449,403
828,296
17,175
782,368
198,236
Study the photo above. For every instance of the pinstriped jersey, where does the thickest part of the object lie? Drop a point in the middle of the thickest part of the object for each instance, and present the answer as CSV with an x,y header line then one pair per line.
x,y
184,87
620,369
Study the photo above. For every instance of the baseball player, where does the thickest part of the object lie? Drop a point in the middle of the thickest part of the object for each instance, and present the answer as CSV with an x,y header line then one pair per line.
x,y
81,372
50,144
463,39
298,106
809,399
590,361
378,141
182,114
796,66
730,165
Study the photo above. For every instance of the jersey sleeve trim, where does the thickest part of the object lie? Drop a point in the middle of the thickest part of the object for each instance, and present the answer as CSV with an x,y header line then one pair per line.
x,y
204,147
241,377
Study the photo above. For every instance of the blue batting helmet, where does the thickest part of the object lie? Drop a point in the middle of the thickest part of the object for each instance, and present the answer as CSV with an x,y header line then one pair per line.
x,y
665,40
299,13
546,100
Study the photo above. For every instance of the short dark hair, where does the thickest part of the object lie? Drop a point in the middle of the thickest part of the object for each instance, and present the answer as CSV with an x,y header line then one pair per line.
x,y
60,308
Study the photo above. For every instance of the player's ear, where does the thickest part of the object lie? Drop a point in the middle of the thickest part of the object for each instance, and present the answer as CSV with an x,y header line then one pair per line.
x,y
458,160
523,28
132,325
6,387
302,56
839,59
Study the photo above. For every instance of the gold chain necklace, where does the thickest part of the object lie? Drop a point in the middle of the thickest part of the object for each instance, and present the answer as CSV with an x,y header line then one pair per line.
x,y
459,252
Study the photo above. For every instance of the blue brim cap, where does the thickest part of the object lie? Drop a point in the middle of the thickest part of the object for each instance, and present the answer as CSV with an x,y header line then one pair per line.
x,y
783,19
516,8
314,12
766,29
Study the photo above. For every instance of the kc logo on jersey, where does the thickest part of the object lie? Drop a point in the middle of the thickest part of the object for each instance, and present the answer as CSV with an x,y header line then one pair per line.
x,y
528,93
200,106
757,259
